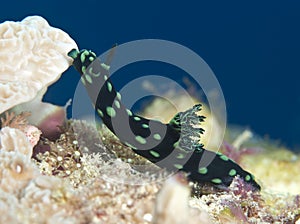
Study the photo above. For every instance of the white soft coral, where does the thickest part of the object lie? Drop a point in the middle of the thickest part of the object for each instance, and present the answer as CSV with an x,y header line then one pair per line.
x,y
32,56
12,139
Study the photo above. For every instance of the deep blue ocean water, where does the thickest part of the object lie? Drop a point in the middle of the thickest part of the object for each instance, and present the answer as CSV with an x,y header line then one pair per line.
x,y
252,47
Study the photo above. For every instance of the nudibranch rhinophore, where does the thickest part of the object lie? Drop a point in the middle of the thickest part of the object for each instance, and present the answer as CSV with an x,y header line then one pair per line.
x,y
173,146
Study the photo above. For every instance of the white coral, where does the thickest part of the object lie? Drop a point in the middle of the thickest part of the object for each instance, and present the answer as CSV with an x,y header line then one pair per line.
x,y
172,204
12,139
171,201
16,168
32,56
16,171
24,191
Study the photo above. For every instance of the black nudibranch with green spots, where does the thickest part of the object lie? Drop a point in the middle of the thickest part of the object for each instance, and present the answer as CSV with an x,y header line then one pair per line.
x,y
173,146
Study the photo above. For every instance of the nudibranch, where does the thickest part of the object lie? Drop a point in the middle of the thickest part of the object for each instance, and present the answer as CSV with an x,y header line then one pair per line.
x,y
173,146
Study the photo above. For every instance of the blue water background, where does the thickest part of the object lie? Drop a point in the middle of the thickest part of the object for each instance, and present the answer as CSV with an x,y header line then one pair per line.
x,y
253,48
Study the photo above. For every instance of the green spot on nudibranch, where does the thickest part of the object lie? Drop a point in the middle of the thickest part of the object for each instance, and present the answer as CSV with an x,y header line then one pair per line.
x,y
117,103
105,77
232,172
82,56
178,166
216,181
92,73
137,118
100,113
176,144
248,177
110,111
91,58
223,157
180,156
119,96
92,53
83,69
140,139
154,153
109,86
145,125
129,112
88,78
202,170
157,136
83,80
129,145
105,66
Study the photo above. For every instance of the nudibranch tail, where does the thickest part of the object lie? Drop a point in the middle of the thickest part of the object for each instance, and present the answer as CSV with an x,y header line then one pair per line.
x,y
173,146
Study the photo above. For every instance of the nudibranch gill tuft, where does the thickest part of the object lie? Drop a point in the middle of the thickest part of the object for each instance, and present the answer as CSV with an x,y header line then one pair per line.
x,y
173,146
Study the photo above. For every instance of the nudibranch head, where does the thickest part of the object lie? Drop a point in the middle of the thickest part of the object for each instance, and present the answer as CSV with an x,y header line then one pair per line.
x,y
73,53
82,59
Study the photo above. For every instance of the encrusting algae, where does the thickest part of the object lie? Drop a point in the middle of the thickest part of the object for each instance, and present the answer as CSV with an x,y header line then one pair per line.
x,y
87,175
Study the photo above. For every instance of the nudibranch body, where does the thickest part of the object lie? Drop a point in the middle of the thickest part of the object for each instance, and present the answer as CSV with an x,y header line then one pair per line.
x,y
173,146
